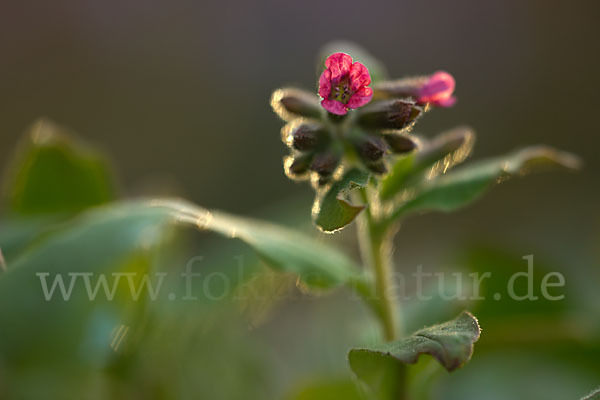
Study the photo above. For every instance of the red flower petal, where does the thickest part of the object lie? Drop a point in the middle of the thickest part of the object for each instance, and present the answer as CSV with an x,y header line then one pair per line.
x,y
334,107
339,64
438,89
360,98
359,76
449,102
325,84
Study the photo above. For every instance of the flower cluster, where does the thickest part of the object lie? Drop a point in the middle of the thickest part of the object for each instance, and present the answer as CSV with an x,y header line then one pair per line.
x,y
353,122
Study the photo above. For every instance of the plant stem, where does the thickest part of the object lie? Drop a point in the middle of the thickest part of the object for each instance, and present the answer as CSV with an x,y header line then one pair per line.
x,y
376,240
384,285
376,243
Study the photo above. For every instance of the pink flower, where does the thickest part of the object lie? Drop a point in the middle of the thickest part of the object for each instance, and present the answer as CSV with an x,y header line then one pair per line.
x,y
438,90
343,84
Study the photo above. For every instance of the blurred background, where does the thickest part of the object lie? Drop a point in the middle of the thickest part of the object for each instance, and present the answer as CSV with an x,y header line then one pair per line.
x,y
177,94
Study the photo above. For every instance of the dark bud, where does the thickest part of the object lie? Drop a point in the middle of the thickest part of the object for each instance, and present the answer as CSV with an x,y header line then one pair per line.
x,y
377,167
400,143
307,136
323,180
325,163
291,103
389,114
371,148
299,164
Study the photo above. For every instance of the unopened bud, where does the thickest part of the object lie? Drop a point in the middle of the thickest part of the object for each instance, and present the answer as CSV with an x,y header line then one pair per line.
x,y
400,143
325,163
307,136
377,167
323,180
292,103
298,165
389,114
370,148
436,89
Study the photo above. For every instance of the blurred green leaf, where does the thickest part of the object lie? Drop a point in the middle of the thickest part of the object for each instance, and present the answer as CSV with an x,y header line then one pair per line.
x,y
510,373
462,186
381,366
513,296
110,240
54,173
376,68
556,339
317,265
340,389
263,292
502,265
438,155
121,238
333,210
191,352
18,234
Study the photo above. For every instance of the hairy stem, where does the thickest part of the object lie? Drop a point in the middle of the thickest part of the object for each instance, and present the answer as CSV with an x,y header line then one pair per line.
x,y
382,267
376,244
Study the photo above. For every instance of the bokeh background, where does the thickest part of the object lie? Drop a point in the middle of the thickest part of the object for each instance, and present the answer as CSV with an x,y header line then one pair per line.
x,y
179,92
176,93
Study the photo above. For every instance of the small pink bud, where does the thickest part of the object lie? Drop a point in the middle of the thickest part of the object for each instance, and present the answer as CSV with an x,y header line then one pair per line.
x,y
343,84
438,90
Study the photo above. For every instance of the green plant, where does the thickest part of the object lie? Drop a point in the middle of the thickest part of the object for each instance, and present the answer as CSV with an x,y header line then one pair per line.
x,y
363,162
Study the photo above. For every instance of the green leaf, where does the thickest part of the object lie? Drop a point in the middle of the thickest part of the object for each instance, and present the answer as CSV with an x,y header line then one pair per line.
x,y
54,173
333,210
376,69
124,238
381,366
462,186
316,264
435,156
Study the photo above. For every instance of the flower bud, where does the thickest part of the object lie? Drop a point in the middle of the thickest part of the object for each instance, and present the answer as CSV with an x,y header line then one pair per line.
x,y
325,163
323,180
400,143
436,89
370,148
307,136
377,167
389,114
291,103
298,164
